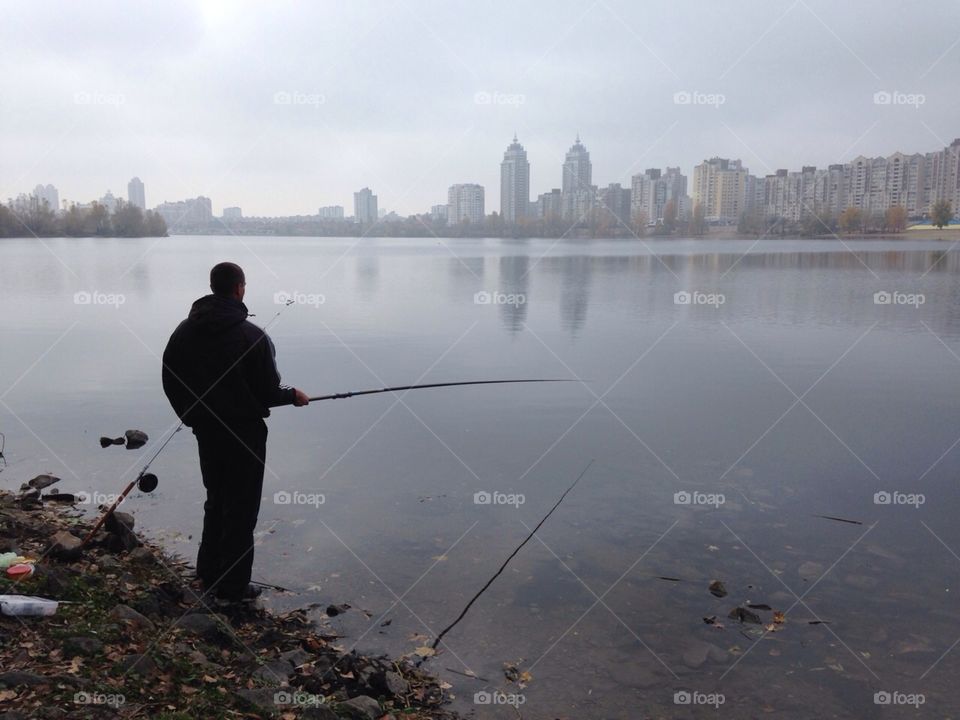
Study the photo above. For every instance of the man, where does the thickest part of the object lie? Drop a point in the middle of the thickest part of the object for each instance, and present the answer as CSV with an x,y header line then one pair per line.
x,y
220,376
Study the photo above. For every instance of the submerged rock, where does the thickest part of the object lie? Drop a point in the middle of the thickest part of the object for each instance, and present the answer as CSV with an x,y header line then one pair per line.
x,y
717,589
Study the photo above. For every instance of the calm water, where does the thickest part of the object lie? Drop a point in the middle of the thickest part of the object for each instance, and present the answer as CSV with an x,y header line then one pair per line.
x,y
797,397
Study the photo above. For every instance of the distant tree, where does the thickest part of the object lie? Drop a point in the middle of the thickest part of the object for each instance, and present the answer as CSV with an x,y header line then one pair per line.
x,y
128,221
850,220
670,216
698,223
941,213
895,219
640,221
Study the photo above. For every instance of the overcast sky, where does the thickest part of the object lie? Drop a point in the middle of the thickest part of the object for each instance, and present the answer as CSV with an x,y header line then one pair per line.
x,y
283,107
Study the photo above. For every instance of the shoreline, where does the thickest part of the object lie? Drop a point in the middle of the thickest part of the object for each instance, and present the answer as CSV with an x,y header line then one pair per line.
x,y
133,637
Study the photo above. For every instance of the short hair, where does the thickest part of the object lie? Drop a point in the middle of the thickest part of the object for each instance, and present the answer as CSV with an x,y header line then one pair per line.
x,y
224,277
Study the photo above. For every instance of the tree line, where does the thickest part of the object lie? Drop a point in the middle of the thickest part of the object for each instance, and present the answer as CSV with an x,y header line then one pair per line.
x,y
40,220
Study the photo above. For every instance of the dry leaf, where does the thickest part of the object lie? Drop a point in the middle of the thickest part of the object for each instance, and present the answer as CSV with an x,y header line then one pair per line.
x,y
425,651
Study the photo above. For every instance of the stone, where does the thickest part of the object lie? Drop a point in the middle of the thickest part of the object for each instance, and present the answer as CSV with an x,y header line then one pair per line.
x,y
275,672
203,626
126,520
717,589
361,707
129,616
318,713
135,439
141,555
65,546
84,646
296,657
140,664
261,699
43,481
395,684
13,678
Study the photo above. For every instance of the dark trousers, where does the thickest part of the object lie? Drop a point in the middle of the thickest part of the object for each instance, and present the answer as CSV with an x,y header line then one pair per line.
x,y
232,467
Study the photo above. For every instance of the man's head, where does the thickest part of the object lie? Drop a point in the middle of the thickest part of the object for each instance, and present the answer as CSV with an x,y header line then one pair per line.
x,y
227,280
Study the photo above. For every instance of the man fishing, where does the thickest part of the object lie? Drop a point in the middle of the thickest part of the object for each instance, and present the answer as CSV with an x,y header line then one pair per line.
x,y
220,376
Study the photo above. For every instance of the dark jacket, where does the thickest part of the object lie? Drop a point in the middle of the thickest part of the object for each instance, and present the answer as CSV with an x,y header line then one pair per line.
x,y
217,355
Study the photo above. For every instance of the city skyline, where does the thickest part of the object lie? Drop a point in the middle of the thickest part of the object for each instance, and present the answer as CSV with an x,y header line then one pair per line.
x,y
645,86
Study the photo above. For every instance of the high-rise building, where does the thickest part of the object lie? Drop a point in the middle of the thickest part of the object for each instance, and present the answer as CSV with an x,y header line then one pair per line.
x,y
47,194
549,206
652,192
613,206
365,206
109,201
514,183
331,212
135,193
186,213
232,213
577,188
438,213
720,188
465,204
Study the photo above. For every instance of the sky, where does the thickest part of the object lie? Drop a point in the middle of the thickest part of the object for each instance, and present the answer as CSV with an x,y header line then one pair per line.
x,y
283,107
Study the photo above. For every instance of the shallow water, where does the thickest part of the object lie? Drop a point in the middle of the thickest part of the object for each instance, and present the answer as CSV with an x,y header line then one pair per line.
x,y
798,396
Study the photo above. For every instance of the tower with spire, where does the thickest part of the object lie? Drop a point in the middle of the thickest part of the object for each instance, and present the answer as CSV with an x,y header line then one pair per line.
x,y
577,189
514,183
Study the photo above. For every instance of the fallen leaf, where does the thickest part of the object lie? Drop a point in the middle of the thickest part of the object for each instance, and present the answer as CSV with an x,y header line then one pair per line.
x,y
425,651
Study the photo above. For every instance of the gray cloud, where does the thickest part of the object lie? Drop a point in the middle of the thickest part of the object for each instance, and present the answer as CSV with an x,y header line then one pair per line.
x,y
394,86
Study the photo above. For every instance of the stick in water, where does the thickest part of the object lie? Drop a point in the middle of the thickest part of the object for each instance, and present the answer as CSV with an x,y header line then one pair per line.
x,y
505,562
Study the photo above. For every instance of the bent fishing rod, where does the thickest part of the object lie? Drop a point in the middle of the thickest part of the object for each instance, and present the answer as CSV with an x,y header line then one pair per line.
x,y
147,482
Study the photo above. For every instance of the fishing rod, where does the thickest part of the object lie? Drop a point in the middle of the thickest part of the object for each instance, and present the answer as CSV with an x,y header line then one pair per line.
x,y
356,393
503,567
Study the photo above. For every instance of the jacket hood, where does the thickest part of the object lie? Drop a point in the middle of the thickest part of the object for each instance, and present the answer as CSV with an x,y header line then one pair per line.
x,y
215,313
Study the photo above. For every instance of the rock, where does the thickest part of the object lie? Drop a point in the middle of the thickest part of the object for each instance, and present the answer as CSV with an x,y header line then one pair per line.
x,y
810,570
275,672
129,616
140,664
65,546
318,712
334,610
361,707
394,684
141,555
296,657
118,520
260,699
744,615
203,626
107,442
43,481
697,654
13,678
69,498
717,589
84,646
135,439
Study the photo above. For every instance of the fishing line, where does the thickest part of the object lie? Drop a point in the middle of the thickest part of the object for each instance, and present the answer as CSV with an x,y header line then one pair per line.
x,y
505,562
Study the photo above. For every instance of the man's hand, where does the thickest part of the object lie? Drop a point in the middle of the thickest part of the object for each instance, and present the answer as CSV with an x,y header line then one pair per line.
x,y
300,398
